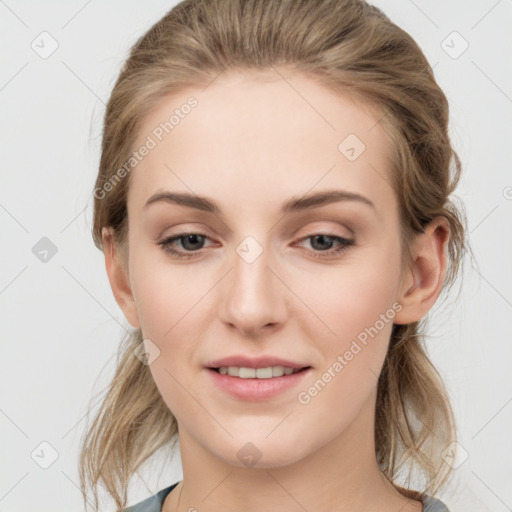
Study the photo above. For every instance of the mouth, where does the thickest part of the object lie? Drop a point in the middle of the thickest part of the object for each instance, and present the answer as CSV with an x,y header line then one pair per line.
x,y
269,372
257,384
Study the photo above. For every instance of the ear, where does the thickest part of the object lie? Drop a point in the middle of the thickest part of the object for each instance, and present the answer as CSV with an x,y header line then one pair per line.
x,y
119,278
423,282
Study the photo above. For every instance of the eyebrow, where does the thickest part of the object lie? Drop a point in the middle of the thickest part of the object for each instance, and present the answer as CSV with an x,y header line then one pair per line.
x,y
292,205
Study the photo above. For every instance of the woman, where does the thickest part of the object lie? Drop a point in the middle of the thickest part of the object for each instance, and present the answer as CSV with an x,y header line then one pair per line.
x,y
273,203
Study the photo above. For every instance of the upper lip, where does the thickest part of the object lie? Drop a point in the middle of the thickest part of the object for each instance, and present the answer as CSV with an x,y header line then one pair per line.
x,y
255,362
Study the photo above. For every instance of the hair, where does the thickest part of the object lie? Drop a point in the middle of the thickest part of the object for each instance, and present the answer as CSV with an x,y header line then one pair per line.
x,y
348,46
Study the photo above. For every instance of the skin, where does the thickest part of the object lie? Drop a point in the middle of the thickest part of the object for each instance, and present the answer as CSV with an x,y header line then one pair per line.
x,y
252,143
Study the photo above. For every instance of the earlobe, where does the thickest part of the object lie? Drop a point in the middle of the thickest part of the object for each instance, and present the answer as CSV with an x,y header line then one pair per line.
x,y
423,281
118,278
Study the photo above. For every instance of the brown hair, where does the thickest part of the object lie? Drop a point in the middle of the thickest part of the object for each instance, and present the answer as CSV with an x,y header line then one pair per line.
x,y
349,46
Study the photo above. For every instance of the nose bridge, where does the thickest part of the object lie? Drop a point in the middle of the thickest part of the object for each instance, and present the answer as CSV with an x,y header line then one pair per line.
x,y
253,296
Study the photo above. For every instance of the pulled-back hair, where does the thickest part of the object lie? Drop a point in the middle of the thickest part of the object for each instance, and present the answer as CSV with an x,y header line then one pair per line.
x,y
350,47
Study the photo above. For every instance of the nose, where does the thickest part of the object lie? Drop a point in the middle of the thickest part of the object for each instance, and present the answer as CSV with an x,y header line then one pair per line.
x,y
253,297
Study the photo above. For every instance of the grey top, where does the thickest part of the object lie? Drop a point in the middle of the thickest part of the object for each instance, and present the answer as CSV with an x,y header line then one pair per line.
x,y
154,503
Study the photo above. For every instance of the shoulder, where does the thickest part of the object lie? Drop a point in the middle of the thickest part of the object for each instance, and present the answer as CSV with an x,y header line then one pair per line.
x,y
433,505
153,503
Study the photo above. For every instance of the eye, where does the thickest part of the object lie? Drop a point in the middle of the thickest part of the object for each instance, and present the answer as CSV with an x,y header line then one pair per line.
x,y
322,240
193,242
189,241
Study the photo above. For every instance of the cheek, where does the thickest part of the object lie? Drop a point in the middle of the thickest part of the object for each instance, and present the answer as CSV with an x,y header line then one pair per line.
x,y
356,304
165,295
168,305
353,295
361,316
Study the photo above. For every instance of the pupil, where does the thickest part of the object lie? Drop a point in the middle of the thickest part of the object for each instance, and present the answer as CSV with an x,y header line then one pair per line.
x,y
194,239
322,238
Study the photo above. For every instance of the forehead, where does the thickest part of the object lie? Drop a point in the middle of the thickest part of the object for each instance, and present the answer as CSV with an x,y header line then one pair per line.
x,y
266,133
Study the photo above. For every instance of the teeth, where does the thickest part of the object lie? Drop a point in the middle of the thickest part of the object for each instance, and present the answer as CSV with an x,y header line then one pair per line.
x,y
256,373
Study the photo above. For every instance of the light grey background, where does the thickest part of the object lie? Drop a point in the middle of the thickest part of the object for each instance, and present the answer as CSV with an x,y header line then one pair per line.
x,y
60,324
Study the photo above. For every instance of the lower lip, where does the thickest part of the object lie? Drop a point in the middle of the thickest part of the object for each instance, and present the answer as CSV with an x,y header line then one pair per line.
x,y
256,389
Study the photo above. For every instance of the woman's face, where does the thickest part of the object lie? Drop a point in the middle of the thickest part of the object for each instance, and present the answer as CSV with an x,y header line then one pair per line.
x,y
317,283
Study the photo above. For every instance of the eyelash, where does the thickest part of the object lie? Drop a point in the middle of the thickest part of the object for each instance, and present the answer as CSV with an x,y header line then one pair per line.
x,y
345,245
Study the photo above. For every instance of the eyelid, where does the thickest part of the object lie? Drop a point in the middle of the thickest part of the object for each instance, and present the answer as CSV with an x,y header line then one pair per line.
x,y
328,224
309,232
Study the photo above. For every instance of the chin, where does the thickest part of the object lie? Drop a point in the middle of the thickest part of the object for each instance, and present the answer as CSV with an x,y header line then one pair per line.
x,y
264,453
